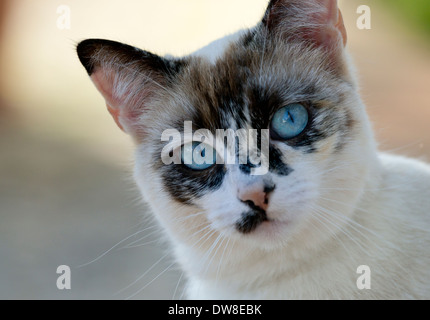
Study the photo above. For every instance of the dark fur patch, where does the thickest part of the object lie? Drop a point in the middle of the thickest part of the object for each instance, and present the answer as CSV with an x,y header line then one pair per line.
x,y
91,51
249,38
276,165
185,184
250,220
346,130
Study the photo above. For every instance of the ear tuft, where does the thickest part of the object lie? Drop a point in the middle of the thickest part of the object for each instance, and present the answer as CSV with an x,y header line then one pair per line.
x,y
86,50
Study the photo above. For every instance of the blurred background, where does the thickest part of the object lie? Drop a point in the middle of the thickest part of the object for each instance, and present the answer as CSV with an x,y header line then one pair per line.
x,y
66,192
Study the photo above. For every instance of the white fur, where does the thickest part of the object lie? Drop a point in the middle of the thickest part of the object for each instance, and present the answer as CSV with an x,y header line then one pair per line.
x,y
216,49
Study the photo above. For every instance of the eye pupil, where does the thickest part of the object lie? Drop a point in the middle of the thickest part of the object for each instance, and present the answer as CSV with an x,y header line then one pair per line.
x,y
290,117
195,157
290,121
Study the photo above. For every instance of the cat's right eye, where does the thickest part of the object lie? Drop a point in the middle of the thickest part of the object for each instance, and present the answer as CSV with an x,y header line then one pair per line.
x,y
289,121
198,156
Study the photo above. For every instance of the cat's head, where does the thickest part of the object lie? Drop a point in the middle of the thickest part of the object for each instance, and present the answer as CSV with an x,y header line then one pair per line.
x,y
289,80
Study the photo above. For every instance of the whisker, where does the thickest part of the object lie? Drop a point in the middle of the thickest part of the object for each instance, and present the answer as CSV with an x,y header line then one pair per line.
x,y
144,287
220,239
113,247
222,259
140,244
177,286
340,229
355,226
130,245
143,275
334,235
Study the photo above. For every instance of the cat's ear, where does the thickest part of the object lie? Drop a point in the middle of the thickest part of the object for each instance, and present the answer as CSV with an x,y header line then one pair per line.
x,y
318,22
127,78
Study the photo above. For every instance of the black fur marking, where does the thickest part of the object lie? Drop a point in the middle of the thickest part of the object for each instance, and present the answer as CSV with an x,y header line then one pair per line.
x,y
122,53
276,165
185,184
268,11
249,38
246,168
269,188
262,105
346,129
250,220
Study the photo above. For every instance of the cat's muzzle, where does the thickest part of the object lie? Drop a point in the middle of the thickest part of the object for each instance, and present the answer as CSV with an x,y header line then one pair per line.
x,y
250,220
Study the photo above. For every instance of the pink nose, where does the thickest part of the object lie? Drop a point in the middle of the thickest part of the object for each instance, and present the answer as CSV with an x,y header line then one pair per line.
x,y
257,196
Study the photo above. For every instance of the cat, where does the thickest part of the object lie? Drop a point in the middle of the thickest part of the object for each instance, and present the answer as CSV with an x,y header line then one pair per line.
x,y
330,201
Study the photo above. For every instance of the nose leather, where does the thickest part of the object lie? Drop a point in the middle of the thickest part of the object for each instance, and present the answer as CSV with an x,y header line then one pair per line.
x,y
256,195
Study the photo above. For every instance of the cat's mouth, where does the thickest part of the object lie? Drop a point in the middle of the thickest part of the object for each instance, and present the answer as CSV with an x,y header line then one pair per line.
x,y
258,219
265,227
252,220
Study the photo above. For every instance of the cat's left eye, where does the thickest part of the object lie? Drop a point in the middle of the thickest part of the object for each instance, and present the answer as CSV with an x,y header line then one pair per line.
x,y
198,156
289,121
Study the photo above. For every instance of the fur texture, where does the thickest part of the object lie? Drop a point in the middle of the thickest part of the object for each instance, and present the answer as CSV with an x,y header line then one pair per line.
x,y
334,203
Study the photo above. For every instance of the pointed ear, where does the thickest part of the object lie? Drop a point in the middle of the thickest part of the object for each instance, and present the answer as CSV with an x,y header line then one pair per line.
x,y
127,78
318,22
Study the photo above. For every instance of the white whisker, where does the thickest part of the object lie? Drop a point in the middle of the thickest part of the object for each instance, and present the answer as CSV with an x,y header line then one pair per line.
x,y
143,275
113,247
144,287
177,286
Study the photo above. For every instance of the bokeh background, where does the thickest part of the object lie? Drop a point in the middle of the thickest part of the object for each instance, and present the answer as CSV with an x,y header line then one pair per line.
x,y
66,192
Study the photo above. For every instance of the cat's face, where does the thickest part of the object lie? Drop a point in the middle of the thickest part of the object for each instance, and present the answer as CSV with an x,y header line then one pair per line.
x,y
294,83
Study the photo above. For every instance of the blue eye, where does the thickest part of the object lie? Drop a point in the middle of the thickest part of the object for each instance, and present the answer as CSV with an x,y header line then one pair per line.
x,y
198,156
288,122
